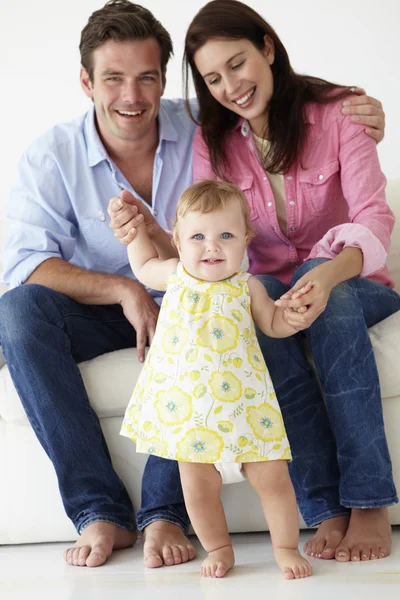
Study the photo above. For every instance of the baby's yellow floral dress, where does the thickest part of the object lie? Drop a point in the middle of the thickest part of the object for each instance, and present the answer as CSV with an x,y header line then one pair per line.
x,y
204,394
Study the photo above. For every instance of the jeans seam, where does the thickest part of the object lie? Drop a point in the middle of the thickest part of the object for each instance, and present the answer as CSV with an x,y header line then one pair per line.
x,y
164,516
329,514
104,518
384,502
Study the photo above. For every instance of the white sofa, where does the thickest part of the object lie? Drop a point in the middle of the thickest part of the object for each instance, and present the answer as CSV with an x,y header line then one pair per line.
x,y
30,505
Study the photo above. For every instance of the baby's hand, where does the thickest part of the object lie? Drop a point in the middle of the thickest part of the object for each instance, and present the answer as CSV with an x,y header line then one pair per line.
x,y
294,295
304,290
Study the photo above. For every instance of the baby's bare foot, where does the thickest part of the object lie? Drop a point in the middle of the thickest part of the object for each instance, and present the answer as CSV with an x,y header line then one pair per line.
x,y
327,538
292,564
218,562
368,536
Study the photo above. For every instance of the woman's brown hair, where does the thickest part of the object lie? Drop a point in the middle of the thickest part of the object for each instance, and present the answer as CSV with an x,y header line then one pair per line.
x,y
232,19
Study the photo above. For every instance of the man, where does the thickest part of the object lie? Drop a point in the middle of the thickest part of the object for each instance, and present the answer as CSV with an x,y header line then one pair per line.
x,y
73,296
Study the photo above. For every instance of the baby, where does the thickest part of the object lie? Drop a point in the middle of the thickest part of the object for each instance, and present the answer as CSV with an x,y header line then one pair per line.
x,y
204,396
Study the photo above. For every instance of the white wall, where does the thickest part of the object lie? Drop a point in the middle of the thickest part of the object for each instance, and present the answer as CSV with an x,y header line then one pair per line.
x,y
349,41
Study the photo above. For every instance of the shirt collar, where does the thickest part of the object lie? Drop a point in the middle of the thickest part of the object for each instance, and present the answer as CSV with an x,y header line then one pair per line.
x,y
97,152
95,149
309,118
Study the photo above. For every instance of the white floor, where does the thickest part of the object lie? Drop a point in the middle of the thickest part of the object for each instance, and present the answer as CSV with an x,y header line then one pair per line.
x,y
37,572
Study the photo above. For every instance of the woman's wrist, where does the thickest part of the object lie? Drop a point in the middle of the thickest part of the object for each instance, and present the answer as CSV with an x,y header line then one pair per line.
x,y
347,264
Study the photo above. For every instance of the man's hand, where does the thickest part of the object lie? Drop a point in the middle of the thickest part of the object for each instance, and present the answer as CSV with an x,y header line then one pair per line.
x,y
366,111
127,213
142,312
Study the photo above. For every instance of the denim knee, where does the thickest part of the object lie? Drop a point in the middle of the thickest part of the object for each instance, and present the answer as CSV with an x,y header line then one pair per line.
x,y
18,312
274,286
305,268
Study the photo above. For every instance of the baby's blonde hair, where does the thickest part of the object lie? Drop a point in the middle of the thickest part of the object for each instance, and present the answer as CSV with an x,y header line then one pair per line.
x,y
207,196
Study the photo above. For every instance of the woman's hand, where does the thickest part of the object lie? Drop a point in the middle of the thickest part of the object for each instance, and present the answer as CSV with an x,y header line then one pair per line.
x,y
127,213
367,111
305,308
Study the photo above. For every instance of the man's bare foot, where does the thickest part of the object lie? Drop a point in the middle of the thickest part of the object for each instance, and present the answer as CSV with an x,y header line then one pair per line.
x,y
368,536
96,544
327,538
292,564
165,544
218,562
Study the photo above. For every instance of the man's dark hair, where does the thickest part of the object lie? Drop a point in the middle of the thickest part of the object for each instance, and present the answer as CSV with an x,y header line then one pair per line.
x,y
122,21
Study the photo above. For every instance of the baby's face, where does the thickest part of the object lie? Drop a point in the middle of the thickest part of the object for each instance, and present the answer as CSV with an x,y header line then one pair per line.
x,y
212,245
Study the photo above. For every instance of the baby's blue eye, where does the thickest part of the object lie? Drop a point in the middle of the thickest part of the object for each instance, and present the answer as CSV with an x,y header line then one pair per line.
x,y
226,235
198,236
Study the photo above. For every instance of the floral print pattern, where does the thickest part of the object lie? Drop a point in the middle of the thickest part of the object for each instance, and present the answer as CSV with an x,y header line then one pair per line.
x,y
204,394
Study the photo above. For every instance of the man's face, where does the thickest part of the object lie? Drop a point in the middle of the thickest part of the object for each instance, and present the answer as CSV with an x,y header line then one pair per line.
x,y
126,89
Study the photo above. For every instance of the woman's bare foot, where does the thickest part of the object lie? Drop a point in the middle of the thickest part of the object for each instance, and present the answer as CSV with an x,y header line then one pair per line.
x,y
292,564
96,544
218,562
165,544
327,538
368,536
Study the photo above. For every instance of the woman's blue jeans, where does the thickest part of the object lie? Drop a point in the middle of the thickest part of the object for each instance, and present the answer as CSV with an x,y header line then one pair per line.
x,y
339,447
44,334
340,454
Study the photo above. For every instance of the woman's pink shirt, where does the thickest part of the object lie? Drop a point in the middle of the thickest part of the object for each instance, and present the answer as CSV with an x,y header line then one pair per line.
x,y
335,196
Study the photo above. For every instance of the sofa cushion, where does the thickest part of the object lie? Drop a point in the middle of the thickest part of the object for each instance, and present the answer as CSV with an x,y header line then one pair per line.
x,y
109,379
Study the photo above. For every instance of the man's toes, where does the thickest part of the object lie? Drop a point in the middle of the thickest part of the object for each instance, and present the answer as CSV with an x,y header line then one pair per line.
x,y
98,555
184,553
84,552
75,557
152,560
67,555
176,553
167,555
192,552
342,554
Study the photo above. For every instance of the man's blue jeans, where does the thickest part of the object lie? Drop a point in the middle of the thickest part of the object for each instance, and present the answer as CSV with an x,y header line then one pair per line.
x,y
43,335
340,454
339,447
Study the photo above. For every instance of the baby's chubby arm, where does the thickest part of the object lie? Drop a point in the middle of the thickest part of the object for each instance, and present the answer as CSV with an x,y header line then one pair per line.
x,y
270,318
150,270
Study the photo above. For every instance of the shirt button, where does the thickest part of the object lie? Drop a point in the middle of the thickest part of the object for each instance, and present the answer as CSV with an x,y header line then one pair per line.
x,y
269,204
275,228
293,229
292,203
290,245
155,212
265,179
102,216
289,178
320,177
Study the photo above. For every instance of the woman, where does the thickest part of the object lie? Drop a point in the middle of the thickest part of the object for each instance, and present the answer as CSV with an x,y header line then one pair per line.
x,y
289,232
316,193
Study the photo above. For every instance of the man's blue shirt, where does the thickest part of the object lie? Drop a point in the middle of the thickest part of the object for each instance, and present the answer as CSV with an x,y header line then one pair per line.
x,y
66,179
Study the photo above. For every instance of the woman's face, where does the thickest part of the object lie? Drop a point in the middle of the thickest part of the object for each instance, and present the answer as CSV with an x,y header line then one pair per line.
x,y
239,76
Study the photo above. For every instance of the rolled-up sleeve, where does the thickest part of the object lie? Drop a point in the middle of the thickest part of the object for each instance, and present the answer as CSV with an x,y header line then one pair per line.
x,y
363,184
40,219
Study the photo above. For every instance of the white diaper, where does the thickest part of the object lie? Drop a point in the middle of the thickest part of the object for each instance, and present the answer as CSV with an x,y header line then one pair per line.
x,y
230,472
